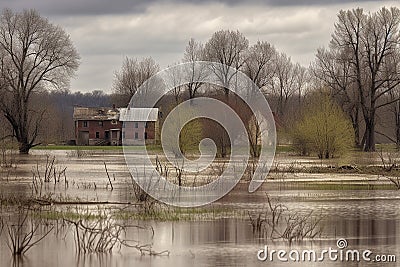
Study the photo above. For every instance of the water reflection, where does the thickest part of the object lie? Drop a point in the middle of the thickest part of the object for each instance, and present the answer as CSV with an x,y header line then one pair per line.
x,y
367,219
225,242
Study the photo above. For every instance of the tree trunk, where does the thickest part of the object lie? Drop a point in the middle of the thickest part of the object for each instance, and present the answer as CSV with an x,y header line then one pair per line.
x,y
397,120
24,147
356,135
370,135
356,126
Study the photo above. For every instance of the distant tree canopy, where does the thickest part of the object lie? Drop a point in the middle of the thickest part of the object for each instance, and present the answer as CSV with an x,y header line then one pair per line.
x,y
35,55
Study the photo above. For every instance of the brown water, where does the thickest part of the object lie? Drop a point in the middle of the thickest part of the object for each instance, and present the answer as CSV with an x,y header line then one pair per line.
x,y
367,219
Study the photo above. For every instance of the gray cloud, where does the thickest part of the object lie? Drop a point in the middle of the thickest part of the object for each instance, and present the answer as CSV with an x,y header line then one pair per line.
x,y
103,7
104,32
77,7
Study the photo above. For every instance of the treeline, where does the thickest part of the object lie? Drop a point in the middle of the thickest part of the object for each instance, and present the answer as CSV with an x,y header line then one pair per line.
x,y
54,109
359,68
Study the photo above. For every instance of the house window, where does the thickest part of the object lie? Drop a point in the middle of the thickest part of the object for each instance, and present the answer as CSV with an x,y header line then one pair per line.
x,y
97,135
145,125
145,135
136,125
85,124
101,123
113,122
136,135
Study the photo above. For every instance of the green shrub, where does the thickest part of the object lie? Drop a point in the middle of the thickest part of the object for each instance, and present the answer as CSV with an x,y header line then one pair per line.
x,y
323,129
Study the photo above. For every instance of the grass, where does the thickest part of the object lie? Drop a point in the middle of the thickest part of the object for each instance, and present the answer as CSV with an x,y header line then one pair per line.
x,y
391,147
279,148
371,170
333,186
158,214
179,214
69,215
61,147
98,148
284,149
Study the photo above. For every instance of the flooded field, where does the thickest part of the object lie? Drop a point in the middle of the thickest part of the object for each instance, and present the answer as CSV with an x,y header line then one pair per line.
x,y
367,219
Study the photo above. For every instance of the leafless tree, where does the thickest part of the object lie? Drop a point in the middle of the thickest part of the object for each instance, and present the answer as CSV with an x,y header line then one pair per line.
x,y
228,48
259,65
35,55
302,82
288,80
174,81
194,52
334,69
133,74
369,42
393,66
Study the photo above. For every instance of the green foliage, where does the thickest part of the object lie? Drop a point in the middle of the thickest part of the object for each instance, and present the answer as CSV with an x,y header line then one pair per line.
x,y
324,129
190,136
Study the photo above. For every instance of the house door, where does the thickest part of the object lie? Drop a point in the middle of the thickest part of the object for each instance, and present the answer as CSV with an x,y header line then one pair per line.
x,y
83,138
107,135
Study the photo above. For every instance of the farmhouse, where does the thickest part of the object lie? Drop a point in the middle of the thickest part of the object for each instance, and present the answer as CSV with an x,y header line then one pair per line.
x,y
140,125
97,126
110,126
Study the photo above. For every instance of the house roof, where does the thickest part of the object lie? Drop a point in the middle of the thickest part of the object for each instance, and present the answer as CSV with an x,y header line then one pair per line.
x,y
138,114
95,113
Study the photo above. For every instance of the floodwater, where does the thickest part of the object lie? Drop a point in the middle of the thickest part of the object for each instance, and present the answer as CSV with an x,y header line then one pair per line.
x,y
368,220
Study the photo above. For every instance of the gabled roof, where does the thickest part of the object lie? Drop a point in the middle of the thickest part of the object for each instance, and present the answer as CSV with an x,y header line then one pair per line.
x,y
138,114
95,113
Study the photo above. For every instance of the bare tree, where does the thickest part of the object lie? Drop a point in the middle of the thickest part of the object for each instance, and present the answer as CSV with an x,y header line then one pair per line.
x,y
35,55
228,48
393,66
334,69
132,75
288,80
259,65
302,82
175,80
370,41
194,52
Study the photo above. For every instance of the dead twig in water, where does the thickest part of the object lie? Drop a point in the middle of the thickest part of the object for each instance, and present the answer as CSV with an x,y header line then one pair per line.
x,y
108,175
21,240
104,235
278,222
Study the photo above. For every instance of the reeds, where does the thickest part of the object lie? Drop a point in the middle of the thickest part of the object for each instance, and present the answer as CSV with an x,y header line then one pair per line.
x,y
46,173
278,222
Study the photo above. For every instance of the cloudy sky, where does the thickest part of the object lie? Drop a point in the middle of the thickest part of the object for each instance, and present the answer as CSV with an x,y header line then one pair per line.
x,y
104,31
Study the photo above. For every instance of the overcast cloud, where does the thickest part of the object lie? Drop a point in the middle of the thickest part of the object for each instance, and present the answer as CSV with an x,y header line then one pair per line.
x,y
104,32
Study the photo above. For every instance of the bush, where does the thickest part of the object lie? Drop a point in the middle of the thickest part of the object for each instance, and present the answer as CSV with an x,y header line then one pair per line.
x,y
323,129
190,134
